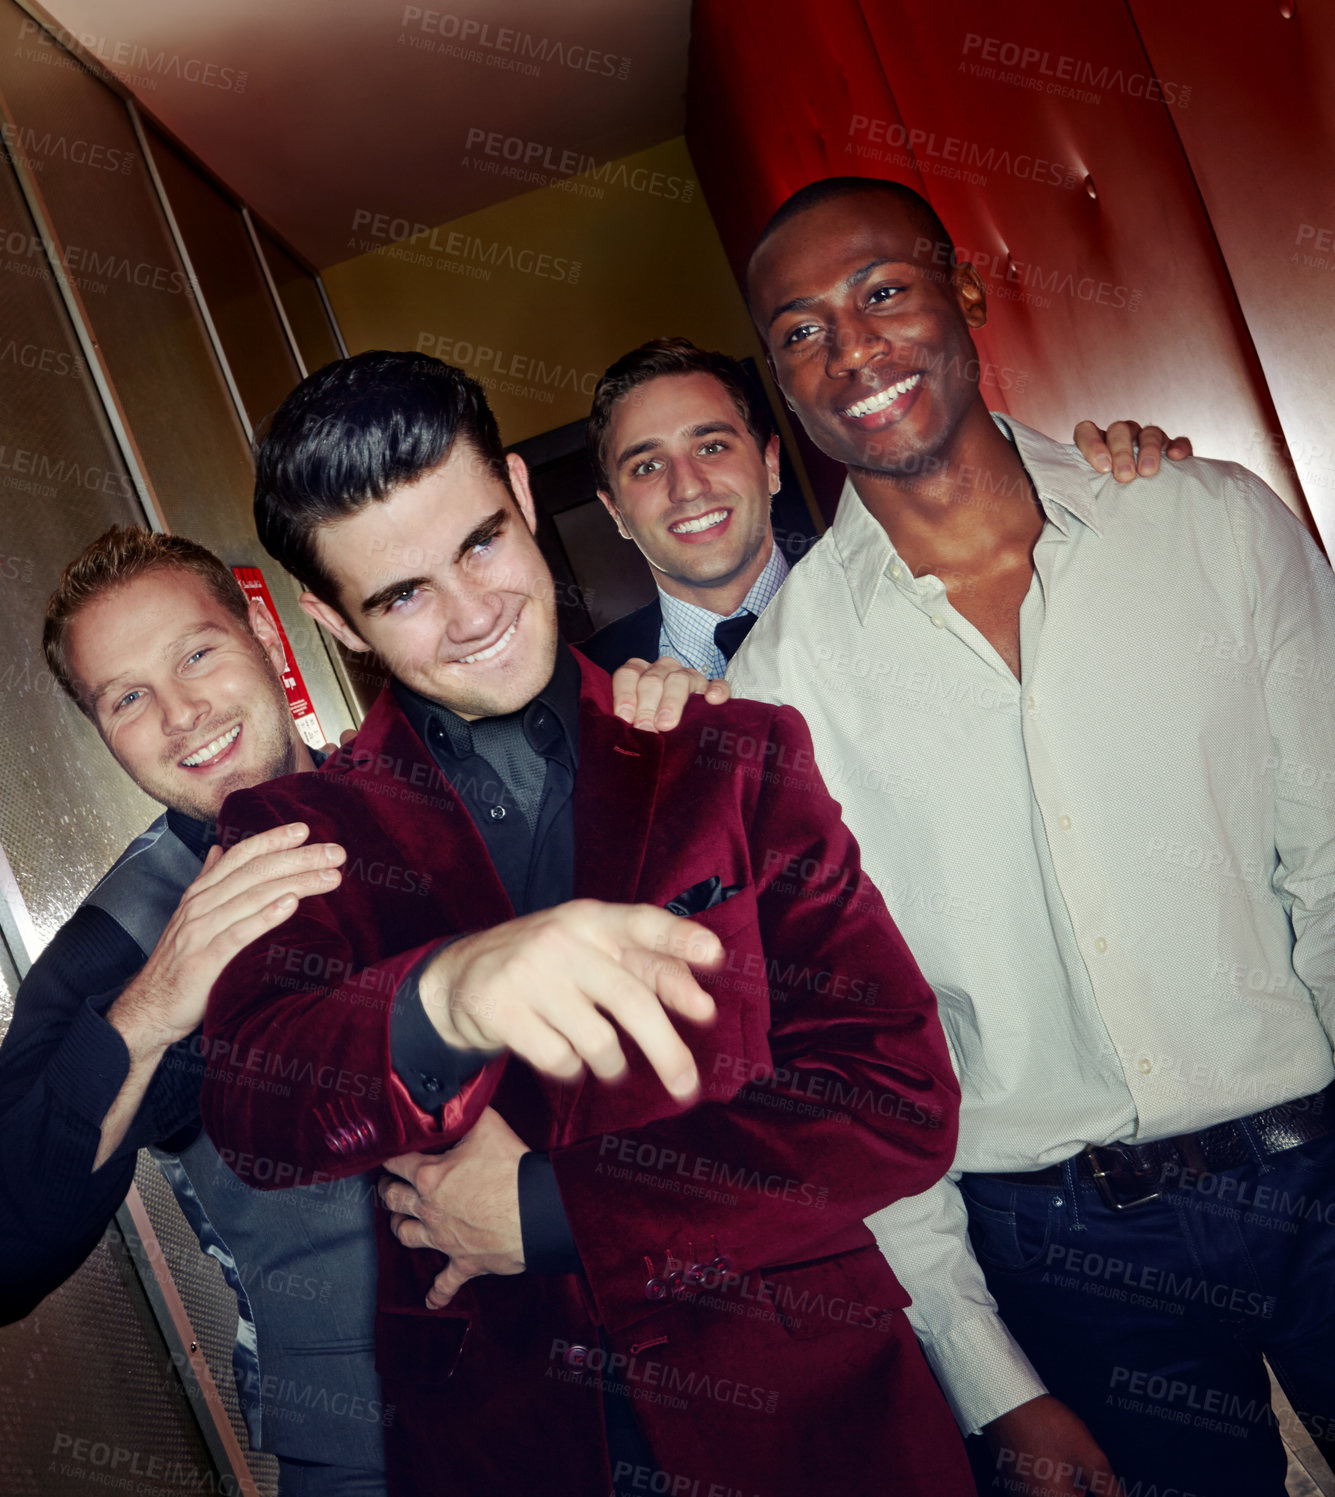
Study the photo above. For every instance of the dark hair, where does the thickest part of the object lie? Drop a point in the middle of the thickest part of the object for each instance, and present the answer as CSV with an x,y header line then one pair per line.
x,y
671,356
351,433
119,556
829,188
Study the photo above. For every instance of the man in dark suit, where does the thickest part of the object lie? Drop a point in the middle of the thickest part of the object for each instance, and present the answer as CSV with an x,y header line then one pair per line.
x,y
686,460
688,470
656,1274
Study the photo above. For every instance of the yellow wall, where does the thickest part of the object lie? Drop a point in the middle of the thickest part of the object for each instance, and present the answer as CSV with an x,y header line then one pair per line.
x,y
538,294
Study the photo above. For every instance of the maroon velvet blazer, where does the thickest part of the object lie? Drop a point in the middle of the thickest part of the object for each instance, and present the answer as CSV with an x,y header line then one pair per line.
x,y
729,1281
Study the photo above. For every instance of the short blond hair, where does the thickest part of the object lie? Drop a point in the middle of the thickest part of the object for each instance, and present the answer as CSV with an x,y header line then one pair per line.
x,y
120,556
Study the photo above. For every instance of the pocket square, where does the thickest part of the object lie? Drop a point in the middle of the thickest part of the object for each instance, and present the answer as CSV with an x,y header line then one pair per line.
x,y
702,896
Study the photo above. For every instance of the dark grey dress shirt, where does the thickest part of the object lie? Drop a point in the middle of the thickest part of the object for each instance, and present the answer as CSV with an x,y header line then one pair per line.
x,y
516,776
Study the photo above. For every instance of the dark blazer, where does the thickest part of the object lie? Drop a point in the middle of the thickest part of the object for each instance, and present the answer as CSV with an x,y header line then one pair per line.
x,y
636,634
728,1277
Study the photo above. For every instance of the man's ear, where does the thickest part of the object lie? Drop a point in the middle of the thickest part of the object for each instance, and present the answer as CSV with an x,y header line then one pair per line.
x,y
970,293
264,629
609,504
772,464
333,620
522,492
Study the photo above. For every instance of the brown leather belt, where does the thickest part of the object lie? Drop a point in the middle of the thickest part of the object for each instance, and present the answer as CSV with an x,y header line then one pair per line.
x,y
1133,1174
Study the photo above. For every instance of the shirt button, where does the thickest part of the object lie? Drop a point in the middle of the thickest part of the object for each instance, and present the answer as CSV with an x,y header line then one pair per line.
x,y
896,572
1100,945
431,1083
1064,822
1031,701
498,813
1144,1065
938,621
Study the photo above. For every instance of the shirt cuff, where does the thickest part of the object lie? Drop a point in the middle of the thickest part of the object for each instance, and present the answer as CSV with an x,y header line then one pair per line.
x,y
982,1371
549,1246
431,1071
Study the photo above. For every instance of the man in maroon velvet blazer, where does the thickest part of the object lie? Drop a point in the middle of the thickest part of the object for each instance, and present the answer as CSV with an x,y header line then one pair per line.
x,y
655,1273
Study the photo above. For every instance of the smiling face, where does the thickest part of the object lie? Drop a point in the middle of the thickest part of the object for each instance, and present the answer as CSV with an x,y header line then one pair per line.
x,y
868,332
184,695
444,579
690,485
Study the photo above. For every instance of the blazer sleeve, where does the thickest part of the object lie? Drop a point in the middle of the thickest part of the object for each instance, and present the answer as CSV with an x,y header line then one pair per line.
x,y
859,1108
300,1086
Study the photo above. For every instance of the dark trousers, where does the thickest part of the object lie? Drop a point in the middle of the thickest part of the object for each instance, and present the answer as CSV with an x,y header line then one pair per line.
x,y
310,1479
1151,1322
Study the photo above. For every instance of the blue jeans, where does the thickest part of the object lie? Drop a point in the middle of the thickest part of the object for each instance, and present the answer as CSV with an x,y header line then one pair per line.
x,y
1151,1322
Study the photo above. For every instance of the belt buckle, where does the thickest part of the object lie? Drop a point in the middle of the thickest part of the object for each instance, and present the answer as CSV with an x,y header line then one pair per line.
x,y
1103,1183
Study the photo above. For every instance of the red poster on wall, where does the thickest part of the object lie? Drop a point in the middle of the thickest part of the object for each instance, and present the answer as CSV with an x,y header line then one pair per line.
x,y
303,714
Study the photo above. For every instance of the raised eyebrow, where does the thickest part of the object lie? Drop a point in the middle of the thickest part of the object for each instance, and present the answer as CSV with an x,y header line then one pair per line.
x,y
711,428
383,597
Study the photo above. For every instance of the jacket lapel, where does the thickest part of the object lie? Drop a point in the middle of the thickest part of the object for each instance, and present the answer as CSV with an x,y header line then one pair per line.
x,y
650,631
615,791
427,820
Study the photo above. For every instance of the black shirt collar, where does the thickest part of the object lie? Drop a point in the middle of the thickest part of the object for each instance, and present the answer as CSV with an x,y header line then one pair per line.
x,y
198,836
550,721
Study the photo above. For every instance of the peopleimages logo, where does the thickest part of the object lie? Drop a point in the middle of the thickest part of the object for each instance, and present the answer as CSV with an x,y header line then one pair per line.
x,y
1024,280
420,244
26,145
504,46
140,66
1067,77
500,363
941,154
553,165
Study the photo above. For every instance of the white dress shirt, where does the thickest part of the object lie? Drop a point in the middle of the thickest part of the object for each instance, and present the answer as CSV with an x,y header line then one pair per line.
x,y
687,632
1118,872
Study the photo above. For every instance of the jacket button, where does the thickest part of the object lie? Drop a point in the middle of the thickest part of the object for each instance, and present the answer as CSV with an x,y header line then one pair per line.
x,y
575,1356
696,1274
655,1289
335,1141
676,1283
